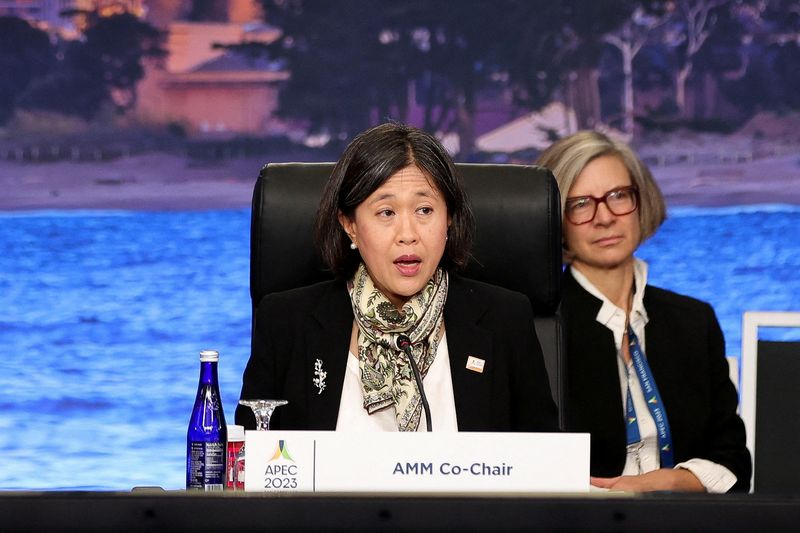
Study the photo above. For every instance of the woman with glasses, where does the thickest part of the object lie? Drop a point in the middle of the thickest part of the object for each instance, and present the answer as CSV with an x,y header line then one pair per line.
x,y
647,374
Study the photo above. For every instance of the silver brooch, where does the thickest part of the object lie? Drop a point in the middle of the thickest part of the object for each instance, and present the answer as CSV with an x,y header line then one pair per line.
x,y
320,375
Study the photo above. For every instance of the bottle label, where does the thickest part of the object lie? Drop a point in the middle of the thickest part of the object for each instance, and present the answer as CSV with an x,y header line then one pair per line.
x,y
206,466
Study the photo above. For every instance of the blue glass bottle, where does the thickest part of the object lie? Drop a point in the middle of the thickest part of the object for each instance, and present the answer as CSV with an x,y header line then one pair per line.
x,y
207,435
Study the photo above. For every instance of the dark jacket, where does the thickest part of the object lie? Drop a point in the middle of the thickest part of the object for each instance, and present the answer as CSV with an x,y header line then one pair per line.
x,y
297,327
686,352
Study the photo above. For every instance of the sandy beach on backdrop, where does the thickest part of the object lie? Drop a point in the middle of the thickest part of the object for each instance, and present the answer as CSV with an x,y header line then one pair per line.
x,y
155,181
159,181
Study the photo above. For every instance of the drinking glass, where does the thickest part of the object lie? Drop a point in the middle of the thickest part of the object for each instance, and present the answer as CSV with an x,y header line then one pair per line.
x,y
263,409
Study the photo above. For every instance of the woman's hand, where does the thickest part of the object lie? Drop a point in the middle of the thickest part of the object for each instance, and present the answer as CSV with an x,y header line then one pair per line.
x,y
667,479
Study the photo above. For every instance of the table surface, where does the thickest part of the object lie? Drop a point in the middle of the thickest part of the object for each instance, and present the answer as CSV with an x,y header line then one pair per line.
x,y
156,510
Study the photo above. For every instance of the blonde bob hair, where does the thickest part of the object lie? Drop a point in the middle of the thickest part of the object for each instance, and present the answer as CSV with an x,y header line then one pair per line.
x,y
567,158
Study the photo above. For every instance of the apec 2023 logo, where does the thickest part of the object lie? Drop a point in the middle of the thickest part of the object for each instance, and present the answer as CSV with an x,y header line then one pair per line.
x,y
281,471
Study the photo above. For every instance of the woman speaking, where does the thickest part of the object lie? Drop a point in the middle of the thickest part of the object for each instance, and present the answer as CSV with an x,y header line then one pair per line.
x,y
394,225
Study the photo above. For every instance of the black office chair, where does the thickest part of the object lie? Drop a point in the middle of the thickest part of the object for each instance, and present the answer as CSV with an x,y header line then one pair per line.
x,y
517,240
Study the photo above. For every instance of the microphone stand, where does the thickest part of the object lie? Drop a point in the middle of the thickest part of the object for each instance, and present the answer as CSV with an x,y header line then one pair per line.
x,y
404,344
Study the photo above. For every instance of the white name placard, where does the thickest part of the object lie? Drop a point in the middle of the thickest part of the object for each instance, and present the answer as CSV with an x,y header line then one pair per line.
x,y
327,461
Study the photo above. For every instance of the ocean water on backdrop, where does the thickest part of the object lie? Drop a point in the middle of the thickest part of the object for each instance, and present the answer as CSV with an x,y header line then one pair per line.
x,y
102,315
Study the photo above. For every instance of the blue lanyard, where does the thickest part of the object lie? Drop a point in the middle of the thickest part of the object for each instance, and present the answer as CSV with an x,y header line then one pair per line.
x,y
654,404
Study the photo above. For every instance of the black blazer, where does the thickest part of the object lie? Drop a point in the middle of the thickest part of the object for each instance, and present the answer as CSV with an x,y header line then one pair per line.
x,y
295,328
686,353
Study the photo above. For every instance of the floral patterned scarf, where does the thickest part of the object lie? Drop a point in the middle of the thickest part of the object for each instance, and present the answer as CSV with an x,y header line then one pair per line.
x,y
386,375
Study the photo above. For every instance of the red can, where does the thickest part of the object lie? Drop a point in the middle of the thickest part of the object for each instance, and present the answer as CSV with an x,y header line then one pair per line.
x,y
234,472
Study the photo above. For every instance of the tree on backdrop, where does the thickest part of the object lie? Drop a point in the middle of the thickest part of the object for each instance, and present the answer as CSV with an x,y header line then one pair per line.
x,y
25,54
456,54
782,18
645,20
102,67
747,63
559,53
694,22
342,75
720,66
64,91
357,62
587,54
352,62
768,76
588,24
114,49
535,64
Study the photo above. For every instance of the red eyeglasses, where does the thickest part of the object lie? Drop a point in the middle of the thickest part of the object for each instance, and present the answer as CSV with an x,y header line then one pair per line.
x,y
582,209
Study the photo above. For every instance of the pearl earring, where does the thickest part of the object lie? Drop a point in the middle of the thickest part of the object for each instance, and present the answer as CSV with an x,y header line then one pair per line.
x,y
353,246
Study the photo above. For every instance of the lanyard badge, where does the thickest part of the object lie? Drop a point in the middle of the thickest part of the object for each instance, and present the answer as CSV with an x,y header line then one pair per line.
x,y
654,404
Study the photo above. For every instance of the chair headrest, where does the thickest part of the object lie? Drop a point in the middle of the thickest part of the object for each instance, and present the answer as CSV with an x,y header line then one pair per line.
x,y
517,236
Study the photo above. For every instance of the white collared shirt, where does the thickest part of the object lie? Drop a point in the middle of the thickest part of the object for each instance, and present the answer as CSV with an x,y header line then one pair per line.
x,y
438,385
644,456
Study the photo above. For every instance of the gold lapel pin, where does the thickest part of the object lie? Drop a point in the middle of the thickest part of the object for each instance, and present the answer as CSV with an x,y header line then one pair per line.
x,y
475,364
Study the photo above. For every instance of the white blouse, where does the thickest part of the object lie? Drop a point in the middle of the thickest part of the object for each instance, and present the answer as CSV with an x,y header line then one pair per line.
x,y
438,385
643,456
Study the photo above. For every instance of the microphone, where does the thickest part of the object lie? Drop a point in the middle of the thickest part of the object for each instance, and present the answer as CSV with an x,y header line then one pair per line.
x,y
404,345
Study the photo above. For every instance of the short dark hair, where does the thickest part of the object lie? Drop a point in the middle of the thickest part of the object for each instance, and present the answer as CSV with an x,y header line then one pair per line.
x,y
368,162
